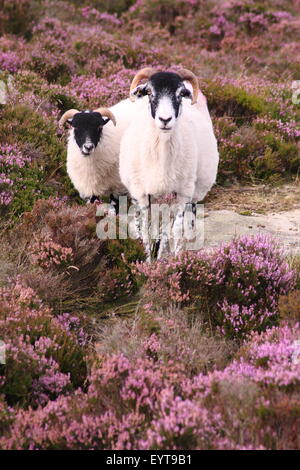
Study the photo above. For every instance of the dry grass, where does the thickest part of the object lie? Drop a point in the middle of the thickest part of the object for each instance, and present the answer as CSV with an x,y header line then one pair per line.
x,y
261,199
179,336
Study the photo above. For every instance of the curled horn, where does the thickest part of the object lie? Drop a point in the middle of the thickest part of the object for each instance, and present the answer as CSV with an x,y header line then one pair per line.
x,y
191,77
141,75
106,112
67,115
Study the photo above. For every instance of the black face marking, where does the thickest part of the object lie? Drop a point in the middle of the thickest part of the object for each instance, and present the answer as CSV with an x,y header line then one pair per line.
x,y
88,128
164,84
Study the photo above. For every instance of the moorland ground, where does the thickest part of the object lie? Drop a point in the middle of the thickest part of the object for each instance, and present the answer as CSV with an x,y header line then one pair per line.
x,y
103,350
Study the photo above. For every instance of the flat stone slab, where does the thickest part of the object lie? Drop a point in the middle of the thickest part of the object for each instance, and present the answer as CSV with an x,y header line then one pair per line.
x,y
223,225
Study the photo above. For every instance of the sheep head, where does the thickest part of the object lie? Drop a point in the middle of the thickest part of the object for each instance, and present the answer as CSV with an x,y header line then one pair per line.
x,y
88,127
165,91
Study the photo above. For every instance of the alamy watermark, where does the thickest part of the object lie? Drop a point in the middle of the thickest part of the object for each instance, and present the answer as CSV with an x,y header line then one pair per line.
x,y
296,352
5,86
170,222
296,92
2,352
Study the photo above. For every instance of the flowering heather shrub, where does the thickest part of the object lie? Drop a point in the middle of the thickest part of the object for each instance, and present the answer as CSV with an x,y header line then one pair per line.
x,y
6,416
272,358
66,263
61,239
164,12
119,279
115,6
91,90
47,253
142,392
17,175
34,91
44,355
74,326
17,16
10,61
91,14
256,129
146,403
19,124
238,284
32,377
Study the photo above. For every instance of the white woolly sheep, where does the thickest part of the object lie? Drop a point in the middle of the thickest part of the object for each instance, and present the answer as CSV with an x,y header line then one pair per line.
x,y
169,146
93,150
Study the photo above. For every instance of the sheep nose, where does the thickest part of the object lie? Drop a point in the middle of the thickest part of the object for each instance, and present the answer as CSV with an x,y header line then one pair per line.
x,y
88,147
165,121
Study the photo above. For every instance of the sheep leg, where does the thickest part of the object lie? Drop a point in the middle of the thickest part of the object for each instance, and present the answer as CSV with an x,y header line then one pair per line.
x,y
90,200
178,235
163,249
93,199
137,219
191,208
114,204
145,232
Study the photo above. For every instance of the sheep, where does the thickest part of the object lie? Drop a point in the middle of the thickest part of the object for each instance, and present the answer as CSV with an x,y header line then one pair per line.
x,y
93,151
169,146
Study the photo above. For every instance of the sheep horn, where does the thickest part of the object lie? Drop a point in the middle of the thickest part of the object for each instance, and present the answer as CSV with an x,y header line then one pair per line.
x,y
67,115
106,112
190,77
141,75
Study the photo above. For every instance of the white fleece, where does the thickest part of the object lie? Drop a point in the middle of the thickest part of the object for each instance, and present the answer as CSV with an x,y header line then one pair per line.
x,y
98,173
184,161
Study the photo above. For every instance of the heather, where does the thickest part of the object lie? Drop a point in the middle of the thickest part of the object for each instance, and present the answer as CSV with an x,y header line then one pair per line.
x,y
235,287
105,351
150,403
193,366
61,258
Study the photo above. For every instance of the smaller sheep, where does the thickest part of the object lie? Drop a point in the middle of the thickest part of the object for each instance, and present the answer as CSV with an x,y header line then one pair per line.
x,y
93,153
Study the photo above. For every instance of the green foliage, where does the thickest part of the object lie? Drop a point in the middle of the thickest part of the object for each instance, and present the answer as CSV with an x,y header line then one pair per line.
x,y
20,123
111,6
120,252
28,188
37,136
38,345
236,102
18,16
119,281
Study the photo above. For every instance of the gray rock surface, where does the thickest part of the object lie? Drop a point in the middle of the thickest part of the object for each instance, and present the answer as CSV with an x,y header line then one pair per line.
x,y
223,225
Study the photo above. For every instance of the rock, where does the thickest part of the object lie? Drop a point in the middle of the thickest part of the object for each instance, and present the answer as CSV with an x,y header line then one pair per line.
x,y
223,225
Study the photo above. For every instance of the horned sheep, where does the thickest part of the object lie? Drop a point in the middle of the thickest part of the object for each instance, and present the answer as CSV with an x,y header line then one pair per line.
x,y
169,146
93,150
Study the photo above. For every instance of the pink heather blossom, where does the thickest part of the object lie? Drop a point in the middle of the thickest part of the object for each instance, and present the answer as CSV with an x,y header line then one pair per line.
x,y
10,61
243,279
11,160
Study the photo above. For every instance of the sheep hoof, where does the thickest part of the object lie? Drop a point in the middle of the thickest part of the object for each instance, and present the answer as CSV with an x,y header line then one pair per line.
x,y
92,200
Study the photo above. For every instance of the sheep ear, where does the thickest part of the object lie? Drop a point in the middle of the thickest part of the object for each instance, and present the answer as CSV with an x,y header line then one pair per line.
x,y
139,91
